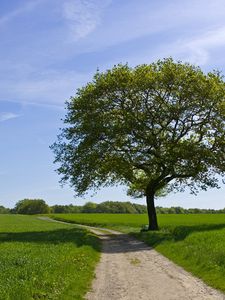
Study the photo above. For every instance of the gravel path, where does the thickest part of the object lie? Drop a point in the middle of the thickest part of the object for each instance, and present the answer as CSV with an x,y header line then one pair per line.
x,y
131,270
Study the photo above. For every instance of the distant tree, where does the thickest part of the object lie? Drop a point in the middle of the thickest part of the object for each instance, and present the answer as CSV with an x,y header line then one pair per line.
x,y
74,208
116,207
194,210
65,208
59,209
140,209
89,207
177,210
31,207
127,207
4,210
152,127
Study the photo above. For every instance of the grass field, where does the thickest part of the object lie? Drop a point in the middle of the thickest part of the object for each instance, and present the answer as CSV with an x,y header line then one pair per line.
x,y
196,242
45,260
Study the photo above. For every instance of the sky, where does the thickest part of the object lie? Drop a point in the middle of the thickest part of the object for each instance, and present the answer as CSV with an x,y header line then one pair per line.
x,y
49,48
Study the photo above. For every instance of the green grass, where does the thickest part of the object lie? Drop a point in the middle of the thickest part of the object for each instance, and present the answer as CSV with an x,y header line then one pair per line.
x,y
114,221
195,242
45,260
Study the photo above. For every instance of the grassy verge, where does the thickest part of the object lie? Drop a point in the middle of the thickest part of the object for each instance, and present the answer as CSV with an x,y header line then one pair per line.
x,y
195,242
45,260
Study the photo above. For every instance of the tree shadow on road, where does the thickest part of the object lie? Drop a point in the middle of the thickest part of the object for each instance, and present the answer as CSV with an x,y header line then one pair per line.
x,y
121,243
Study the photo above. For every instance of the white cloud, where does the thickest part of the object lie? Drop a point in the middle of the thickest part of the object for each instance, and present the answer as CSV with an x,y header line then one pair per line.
x,y
7,116
83,16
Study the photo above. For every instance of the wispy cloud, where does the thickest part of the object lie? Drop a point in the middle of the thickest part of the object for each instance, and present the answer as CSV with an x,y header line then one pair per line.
x,y
200,47
83,16
46,70
5,116
98,28
50,88
29,6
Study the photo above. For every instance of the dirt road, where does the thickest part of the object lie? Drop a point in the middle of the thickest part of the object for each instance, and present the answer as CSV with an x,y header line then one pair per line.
x,y
130,270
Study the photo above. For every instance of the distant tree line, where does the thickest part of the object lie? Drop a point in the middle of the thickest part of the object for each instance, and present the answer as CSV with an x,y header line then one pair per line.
x,y
104,207
39,206
128,208
181,210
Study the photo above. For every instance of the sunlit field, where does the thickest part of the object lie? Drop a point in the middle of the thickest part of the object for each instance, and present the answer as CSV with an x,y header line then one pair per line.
x,y
196,242
45,260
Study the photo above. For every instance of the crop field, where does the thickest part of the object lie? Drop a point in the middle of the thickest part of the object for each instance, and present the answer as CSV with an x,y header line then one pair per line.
x,y
45,260
195,242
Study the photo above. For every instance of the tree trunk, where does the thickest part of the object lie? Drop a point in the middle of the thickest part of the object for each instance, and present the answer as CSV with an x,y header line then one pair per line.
x,y
152,217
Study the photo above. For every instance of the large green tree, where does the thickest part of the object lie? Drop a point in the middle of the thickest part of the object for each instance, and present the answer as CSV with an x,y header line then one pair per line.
x,y
152,127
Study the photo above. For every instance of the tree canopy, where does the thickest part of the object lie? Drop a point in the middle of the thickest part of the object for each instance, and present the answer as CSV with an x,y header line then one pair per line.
x,y
152,127
31,207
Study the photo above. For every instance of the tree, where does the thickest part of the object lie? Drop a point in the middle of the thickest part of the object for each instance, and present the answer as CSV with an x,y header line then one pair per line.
x,y
56,209
116,207
152,127
59,209
89,207
4,210
31,207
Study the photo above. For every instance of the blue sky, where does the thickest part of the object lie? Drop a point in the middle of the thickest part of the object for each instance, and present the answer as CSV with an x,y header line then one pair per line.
x,y
49,48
